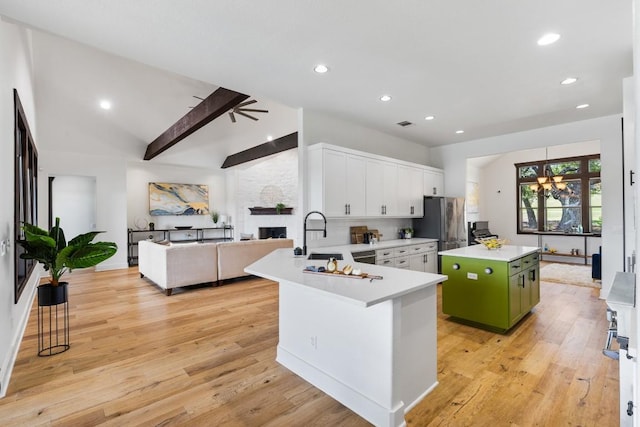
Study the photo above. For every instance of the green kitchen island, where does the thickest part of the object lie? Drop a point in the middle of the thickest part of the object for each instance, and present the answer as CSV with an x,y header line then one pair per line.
x,y
492,289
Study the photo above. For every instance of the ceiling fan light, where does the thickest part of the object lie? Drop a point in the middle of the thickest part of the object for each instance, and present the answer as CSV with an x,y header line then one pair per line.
x,y
561,185
547,186
534,187
557,178
542,179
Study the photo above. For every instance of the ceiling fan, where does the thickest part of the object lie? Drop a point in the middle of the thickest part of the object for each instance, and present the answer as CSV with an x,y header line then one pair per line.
x,y
239,109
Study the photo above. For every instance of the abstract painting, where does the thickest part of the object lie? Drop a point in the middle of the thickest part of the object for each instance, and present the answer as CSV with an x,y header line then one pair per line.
x,y
178,199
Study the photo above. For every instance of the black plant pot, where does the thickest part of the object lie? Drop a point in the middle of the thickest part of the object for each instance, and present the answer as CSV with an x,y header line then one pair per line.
x,y
52,295
53,319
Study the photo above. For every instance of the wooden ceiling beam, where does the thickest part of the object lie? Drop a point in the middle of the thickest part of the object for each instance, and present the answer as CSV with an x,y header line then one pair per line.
x,y
283,143
213,106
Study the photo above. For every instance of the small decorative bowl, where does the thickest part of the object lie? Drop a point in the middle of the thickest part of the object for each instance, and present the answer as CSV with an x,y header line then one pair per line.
x,y
492,243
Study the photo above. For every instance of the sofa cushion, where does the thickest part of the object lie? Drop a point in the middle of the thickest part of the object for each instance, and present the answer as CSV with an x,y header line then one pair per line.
x,y
233,257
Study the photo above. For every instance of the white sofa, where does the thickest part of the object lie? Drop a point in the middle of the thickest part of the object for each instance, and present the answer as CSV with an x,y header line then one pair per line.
x,y
233,257
175,265
182,264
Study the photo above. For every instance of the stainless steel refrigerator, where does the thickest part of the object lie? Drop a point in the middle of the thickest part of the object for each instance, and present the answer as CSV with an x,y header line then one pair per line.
x,y
443,220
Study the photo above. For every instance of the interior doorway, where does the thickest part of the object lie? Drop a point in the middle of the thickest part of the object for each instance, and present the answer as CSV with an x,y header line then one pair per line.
x,y
73,200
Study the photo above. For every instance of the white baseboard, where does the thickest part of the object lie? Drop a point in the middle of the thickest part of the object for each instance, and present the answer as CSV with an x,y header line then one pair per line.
x,y
14,346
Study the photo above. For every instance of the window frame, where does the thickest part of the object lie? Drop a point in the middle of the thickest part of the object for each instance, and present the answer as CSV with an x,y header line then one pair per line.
x,y
25,192
584,176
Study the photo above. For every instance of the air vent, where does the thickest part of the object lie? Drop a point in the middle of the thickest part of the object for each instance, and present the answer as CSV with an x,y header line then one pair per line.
x,y
404,123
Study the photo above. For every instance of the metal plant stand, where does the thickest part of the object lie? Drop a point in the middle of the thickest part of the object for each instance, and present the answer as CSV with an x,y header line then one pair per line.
x,y
53,319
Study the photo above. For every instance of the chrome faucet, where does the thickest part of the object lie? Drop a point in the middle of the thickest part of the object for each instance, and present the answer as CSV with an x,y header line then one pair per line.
x,y
324,230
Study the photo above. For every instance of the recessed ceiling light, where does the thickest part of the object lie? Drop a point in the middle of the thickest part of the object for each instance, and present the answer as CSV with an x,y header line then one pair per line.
x,y
460,131
568,81
581,106
321,69
105,105
385,98
548,39
430,117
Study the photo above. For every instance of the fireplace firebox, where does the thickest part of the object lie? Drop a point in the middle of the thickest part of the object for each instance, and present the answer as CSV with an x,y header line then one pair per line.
x,y
272,232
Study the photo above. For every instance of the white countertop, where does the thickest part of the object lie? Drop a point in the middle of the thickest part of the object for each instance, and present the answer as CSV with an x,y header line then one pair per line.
x,y
506,253
282,265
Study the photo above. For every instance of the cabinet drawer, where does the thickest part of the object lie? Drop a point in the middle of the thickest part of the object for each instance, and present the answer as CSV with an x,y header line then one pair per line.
x,y
402,251
382,254
389,262
418,249
515,266
402,262
530,260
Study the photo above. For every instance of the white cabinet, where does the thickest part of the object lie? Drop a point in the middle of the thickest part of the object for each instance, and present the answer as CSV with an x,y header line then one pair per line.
x,y
410,191
344,183
419,257
433,182
382,188
336,183
424,257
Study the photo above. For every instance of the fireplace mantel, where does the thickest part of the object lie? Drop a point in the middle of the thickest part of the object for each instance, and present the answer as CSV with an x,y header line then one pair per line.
x,y
257,210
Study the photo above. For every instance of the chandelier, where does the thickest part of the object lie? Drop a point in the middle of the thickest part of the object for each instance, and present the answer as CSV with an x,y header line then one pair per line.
x,y
548,182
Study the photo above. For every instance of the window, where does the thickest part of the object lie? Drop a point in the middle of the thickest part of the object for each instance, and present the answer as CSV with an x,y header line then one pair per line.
x,y
569,200
25,191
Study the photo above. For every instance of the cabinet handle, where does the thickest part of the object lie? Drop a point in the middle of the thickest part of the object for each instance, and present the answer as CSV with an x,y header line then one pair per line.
x,y
349,206
532,275
522,277
346,210
434,191
426,258
631,181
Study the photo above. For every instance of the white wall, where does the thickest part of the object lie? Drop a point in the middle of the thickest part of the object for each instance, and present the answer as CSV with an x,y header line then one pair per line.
x,y
15,72
606,130
140,174
319,127
111,195
74,202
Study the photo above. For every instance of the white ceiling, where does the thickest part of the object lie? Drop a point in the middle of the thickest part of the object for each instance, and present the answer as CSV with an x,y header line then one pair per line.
x,y
475,65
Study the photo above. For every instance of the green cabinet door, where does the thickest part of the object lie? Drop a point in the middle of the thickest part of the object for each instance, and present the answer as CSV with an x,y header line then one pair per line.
x,y
477,290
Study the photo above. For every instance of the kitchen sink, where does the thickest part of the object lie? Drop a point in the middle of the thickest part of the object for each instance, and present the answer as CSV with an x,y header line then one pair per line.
x,y
318,255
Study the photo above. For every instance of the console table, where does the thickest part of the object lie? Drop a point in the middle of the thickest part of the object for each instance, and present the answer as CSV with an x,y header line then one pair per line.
x,y
203,234
585,248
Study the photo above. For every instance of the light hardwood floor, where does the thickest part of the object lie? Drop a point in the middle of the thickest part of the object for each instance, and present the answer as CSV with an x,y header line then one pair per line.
x,y
206,357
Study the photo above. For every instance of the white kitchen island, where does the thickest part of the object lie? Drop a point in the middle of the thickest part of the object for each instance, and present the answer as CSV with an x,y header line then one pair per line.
x,y
371,345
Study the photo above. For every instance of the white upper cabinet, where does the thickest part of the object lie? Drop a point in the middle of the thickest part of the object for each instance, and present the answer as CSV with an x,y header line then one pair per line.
x,y
336,183
344,183
382,188
433,182
410,191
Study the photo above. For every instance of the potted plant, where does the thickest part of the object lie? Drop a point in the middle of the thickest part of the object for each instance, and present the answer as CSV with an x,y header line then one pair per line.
x,y
59,256
215,216
279,208
408,232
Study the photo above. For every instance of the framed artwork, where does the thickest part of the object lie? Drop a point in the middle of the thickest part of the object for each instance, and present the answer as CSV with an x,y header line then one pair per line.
x,y
178,199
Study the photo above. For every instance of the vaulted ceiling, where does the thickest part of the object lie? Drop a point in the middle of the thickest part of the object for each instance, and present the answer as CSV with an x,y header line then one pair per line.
x,y
475,66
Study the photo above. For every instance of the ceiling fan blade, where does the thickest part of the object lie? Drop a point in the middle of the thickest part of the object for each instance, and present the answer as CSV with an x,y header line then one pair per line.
x,y
252,109
242,104
233,118
247,116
